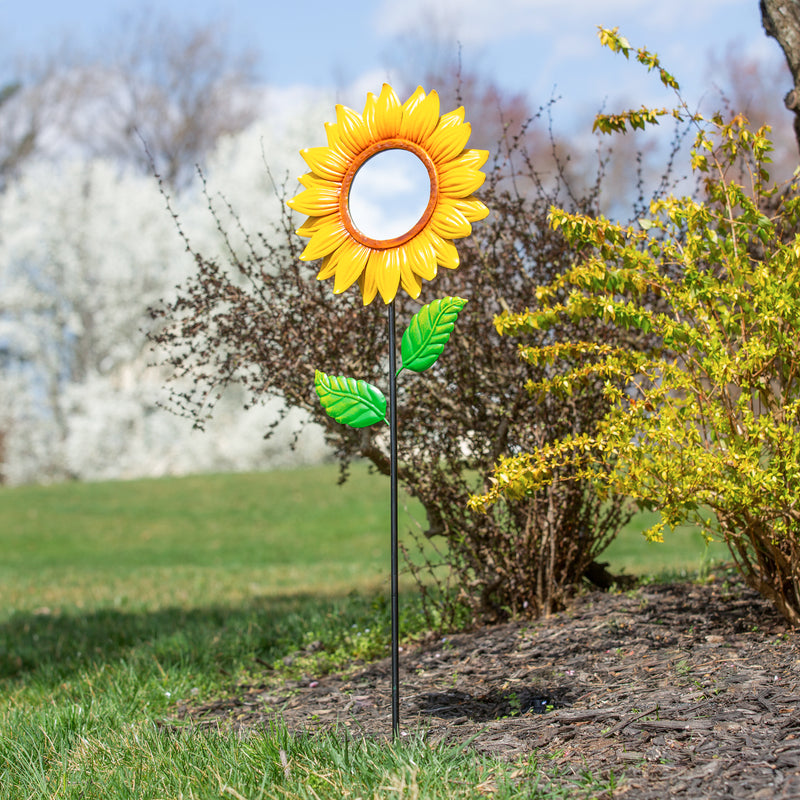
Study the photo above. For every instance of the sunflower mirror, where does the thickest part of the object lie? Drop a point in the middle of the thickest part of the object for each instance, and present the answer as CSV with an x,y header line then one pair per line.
x,y
383,265
385,199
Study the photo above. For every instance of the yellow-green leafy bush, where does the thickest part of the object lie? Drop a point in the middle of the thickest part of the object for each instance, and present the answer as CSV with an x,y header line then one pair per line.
x,y
707,416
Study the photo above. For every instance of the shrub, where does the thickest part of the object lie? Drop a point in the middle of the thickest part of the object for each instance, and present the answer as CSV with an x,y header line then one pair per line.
x,y
708,416
262,321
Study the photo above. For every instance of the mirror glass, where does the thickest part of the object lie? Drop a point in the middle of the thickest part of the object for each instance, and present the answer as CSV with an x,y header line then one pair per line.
x,y
389,194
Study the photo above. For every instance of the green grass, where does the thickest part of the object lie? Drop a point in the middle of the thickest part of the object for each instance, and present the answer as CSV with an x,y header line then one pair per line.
x,y
121,600
682,553
171,542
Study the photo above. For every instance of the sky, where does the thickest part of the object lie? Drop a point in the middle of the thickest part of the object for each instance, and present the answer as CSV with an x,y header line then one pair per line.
x,y
540,47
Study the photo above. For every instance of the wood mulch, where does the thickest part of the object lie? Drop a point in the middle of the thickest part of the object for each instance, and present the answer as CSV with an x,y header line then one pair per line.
x,y
682,690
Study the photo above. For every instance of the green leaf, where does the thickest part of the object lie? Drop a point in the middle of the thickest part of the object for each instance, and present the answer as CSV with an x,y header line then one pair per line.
x,y
351,402
428,333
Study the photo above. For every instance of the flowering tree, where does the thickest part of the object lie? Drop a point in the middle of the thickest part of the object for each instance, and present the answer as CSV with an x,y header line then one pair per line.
x,y
85,249
78,266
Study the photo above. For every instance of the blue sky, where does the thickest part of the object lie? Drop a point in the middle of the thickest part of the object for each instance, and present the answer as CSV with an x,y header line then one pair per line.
x,y
535,46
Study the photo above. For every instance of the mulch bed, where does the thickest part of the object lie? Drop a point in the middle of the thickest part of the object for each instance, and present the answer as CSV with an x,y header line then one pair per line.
x,y
682,690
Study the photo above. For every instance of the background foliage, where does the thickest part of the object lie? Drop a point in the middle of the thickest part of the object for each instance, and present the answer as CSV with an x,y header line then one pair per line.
x,y
80,399
707,414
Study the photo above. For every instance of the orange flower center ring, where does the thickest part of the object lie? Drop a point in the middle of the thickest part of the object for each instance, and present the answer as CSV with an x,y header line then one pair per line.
x,y
349,175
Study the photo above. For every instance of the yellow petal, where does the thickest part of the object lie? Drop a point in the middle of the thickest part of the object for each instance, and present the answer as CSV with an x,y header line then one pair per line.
x,y
449,138
461,181
446,253
384,265
368,286
453,118
327,162
474,159
317,201
370,109
421,256
449,222
472,208
388,113
353,132
416,98
410,281
349,262
328,269
312,181
311,226
420,116
328,237
332,132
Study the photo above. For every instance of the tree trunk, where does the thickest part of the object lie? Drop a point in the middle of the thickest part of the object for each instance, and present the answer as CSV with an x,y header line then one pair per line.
x,y
781,20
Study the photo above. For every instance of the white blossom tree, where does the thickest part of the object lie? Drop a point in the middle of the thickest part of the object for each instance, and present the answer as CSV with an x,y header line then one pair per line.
x,y
85,249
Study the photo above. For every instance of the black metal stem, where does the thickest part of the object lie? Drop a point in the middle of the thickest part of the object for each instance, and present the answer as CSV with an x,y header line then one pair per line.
x,y
395,606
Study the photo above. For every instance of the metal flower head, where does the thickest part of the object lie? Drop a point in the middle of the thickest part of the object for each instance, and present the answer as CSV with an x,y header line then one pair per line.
x,y
384,265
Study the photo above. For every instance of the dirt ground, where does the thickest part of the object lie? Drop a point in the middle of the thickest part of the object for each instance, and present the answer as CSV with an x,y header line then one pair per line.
x,y
682,690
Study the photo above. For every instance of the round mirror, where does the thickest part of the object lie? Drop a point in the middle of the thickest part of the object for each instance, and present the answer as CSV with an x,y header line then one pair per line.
x,y
389,194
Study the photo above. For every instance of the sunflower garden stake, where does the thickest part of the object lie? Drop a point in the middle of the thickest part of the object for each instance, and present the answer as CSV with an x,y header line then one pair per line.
x,y
355,248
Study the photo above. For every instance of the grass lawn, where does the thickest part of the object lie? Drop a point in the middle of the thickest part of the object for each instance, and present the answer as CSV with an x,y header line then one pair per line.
x,y
121,599
683,551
